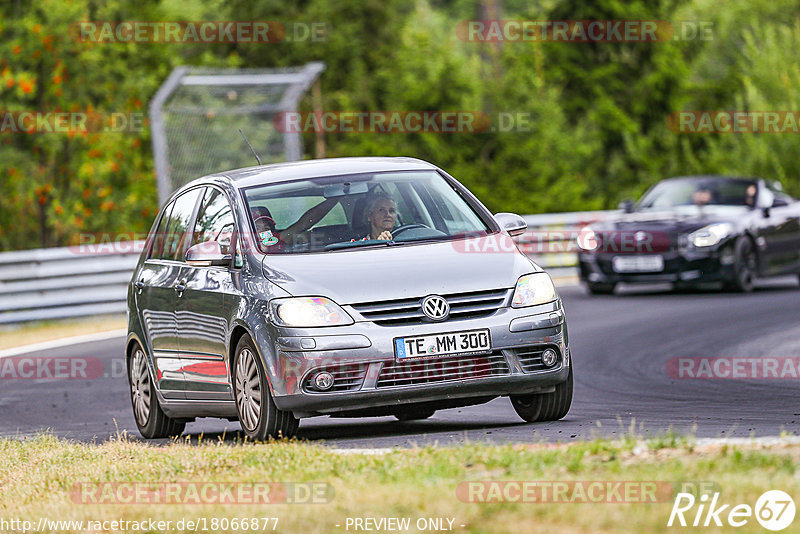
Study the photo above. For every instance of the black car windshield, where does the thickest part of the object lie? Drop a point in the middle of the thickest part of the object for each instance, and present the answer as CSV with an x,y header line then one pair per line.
x,y
353,211
700,191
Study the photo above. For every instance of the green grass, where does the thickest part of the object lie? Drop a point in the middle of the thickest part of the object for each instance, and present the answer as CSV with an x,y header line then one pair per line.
x,y
36,477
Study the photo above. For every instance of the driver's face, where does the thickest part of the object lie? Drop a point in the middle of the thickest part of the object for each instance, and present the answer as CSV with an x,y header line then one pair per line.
x,y
383,216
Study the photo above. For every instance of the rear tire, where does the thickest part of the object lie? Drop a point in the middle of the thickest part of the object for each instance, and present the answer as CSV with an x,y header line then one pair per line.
x,y
414,415
260,418
545,406
745,266
596,288
151,420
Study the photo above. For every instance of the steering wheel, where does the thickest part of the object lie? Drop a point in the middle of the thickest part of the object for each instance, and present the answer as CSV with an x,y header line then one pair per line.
x,y
406,227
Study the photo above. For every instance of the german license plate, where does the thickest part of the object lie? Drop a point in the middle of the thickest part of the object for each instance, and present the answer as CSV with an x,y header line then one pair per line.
x,y
437,345
651,263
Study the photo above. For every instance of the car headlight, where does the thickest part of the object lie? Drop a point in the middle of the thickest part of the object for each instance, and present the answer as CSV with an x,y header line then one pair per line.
x,y
308,312
587,239
710,235
533,289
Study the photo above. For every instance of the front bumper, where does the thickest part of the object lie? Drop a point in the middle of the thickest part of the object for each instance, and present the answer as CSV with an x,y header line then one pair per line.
x,y
363,355
693,266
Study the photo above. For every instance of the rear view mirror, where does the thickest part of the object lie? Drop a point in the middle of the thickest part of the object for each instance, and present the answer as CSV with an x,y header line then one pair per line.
x,y
511,223
207,254
346,188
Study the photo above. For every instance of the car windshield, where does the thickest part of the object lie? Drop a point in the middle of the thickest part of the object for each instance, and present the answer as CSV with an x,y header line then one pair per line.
x,y
364,210
700,192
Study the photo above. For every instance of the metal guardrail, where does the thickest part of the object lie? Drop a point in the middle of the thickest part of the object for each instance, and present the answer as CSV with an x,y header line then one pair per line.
x,y
64,282
87,280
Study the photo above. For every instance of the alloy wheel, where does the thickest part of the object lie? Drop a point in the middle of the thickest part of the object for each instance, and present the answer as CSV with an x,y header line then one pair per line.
x,y
140,388
248,389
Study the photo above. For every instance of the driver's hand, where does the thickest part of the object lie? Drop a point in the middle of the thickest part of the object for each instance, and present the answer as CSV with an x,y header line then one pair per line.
x,y
385,235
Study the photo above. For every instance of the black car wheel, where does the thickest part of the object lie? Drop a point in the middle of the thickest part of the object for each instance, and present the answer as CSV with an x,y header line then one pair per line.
x,y
596,288
545,406
414,415
744,267
151,420
258,415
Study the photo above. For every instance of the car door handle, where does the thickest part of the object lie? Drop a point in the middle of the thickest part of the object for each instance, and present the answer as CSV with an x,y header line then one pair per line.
x,y
181,286
139,284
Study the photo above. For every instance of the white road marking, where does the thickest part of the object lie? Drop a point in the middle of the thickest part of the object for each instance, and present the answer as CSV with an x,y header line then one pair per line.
x,y
63,342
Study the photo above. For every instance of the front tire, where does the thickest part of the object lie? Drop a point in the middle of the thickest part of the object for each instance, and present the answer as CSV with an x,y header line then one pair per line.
x,y
545,406
151,420
260,418
744,267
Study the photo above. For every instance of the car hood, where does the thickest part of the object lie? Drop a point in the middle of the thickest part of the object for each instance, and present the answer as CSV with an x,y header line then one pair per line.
x,y
396,272
683,219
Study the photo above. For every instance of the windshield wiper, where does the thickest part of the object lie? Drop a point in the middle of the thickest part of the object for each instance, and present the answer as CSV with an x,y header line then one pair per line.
x,y
359,244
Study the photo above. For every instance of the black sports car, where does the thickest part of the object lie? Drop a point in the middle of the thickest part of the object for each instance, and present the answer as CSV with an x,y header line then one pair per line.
x,y
692,230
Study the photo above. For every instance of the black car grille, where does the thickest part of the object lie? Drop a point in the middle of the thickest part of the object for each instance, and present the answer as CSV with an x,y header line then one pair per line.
x,y
443,370
409,311
345,378
530,358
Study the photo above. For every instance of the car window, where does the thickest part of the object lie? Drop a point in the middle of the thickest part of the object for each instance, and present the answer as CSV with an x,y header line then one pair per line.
x,y
286,211
719,191
214,220
781,198
160,232
175,238
337,212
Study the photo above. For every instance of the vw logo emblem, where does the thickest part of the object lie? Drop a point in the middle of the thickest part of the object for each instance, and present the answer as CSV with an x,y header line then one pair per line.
x,y
435,308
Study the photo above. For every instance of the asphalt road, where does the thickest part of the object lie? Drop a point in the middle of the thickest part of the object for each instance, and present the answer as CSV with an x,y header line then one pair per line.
x,y
621,345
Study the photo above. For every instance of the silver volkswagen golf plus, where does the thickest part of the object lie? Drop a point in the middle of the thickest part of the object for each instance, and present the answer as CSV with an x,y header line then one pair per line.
x,y
346,287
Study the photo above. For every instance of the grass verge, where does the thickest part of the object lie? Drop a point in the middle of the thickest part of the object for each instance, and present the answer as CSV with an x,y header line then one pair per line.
x,y
38,478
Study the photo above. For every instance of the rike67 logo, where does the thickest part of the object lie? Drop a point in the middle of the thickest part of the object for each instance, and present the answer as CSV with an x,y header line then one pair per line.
x,y
774,510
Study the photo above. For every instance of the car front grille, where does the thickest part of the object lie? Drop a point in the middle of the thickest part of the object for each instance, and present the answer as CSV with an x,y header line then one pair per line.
x,y
409,311
345,378
530,358
442,370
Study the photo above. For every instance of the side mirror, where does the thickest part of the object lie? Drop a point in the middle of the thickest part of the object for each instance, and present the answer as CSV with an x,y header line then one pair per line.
x,y
511,223
626,206
207,254
765,199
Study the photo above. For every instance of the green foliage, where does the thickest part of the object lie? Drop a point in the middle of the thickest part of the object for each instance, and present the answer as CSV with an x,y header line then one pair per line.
x,y
594,116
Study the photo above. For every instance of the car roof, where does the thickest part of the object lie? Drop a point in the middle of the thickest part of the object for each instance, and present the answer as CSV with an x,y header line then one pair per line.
x,y
315,168
713,177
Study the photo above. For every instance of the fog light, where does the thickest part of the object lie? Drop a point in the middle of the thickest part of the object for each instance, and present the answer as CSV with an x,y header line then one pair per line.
x,y
549,357
323,381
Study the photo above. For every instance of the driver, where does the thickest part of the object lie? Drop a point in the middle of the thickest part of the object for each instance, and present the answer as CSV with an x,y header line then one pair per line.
x,y
381,215
702,195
